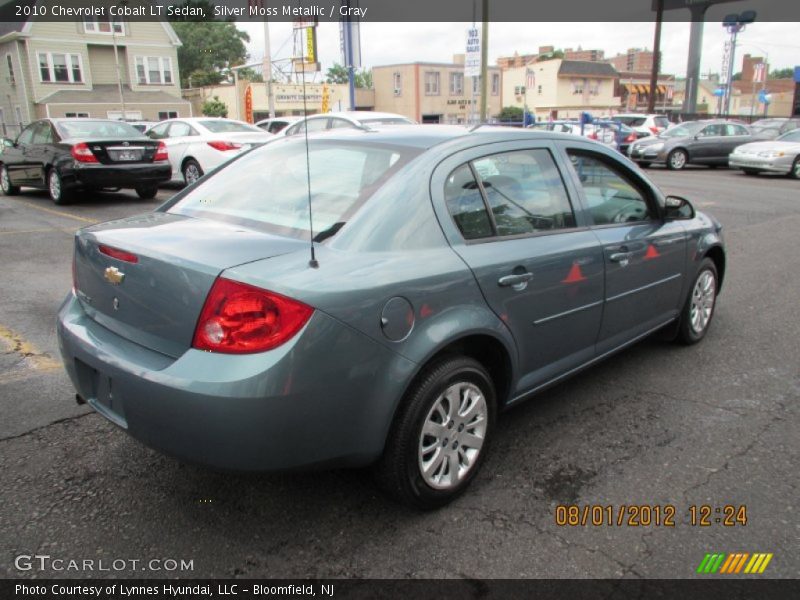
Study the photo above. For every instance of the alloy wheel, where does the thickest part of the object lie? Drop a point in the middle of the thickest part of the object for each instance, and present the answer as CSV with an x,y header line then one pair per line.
x,y
192,174
55,185
677,159
703,297
452,435
5,182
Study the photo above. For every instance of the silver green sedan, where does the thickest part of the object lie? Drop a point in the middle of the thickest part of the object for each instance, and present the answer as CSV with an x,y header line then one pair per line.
x,y
781,155
440,276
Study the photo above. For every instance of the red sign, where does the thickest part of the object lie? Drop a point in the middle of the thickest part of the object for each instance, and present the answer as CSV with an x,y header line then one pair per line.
x,y
248,104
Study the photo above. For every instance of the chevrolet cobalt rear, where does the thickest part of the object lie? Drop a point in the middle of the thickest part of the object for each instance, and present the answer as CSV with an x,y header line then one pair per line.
x,y
454,273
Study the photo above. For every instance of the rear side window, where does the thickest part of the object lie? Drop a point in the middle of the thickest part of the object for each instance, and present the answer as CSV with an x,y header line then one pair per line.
x,y
612,197
158,132
521,192
181,129
661,122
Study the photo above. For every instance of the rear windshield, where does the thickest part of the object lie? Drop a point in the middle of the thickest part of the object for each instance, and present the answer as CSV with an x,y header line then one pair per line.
x,y
85,128
267,188
220,126
631,121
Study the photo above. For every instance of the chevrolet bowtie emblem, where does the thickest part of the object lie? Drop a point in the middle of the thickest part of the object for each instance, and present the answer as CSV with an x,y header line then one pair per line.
x,y
113,275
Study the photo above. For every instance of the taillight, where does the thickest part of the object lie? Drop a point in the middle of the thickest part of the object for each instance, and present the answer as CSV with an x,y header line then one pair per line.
x,y
593,136
82,153
655,130
118,254
224,146
161,152
239,319
631,138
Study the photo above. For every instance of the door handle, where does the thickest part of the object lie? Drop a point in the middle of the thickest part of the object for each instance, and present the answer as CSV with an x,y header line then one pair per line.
x,y
518,281
619,256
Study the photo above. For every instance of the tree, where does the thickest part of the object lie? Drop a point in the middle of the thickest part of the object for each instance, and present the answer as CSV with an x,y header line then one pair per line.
x,y
510,113
337,74
364,79
210,48
248,74
551,55
214,107
782,73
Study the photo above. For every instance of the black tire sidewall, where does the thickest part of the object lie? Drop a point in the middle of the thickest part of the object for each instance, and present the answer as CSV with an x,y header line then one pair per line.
x,y
64,196
12,189
422,399
673,153
793,172
146,192
685,333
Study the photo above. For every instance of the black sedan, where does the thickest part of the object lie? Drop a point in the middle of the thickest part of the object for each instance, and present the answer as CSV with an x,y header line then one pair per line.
x,y
66,155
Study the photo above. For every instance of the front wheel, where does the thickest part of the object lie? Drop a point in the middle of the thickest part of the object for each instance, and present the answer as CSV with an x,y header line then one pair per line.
x,y
146,192
750,172
699,308
192,171
795,172
440,436
677,159
5,183
55,187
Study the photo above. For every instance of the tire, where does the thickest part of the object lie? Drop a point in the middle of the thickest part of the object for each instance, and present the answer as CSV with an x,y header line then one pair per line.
x,y
191,171
146,192
423,432
698,311
643,163
5,183
795,172
750,172
712,166
677,159
55,187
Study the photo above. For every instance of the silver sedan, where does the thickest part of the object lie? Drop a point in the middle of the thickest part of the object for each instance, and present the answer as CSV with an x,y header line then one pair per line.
x,y
781,155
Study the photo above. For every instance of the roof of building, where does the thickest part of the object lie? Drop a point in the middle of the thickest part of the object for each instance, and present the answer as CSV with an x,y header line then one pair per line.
x,y
109,94
587,67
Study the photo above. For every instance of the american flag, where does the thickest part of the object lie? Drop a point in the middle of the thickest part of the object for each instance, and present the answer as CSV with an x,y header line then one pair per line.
x,y
530,78
759,70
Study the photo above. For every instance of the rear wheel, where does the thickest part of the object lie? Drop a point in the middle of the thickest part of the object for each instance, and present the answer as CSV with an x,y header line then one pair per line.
x,y
751,172
5,183
440,435
699,308
795,172
643,163
146,192
191,171
677,159
55,187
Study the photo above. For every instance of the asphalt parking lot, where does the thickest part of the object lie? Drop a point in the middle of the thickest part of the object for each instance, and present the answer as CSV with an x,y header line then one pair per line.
x,y
715,424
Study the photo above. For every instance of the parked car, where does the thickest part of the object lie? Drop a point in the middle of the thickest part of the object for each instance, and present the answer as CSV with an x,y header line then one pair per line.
x,y
781,155
354,119
277,124
643,123
66,155
198,145
610,133
142,126
230,338
769,129
696,142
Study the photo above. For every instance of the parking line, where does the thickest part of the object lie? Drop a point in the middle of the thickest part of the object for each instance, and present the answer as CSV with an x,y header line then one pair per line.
x,y
10,231
57,212
35,357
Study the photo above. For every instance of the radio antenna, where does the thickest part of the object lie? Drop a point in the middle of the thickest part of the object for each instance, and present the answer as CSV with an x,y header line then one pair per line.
x,y
313,262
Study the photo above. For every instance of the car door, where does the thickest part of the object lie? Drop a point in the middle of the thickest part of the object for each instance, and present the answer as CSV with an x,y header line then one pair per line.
x,y
39,152
736,135
180,138
16,158
509,215
645,256
709,144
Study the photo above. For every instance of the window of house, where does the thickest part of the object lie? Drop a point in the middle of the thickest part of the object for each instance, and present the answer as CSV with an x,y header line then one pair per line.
x,y
103,26
577,86
456,84
154,70
83,115
12,80
539,90
495,84
398,84
594,88
18,113
163,115
431,83
56,67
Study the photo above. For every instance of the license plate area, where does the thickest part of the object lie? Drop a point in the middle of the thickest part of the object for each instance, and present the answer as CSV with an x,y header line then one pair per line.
x,y
125,155
98,390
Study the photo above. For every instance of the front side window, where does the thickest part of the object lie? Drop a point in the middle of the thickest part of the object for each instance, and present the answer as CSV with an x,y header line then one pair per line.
x,y
612,196
713,130
268,188
158,132
181,129
56,67
153,70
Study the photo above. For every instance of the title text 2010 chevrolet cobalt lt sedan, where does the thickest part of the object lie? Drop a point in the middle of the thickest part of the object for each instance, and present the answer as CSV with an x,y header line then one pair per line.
x,y
456,273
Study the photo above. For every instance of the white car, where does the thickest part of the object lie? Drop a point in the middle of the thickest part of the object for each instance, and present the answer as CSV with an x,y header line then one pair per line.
x,y
642,123
198,145
354,119
277,124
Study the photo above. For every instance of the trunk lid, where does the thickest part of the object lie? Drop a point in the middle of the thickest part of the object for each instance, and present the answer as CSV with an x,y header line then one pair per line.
x,y
121,151
156,301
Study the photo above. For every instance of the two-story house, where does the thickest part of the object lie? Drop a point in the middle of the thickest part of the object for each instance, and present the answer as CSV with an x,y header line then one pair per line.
x,y
89,68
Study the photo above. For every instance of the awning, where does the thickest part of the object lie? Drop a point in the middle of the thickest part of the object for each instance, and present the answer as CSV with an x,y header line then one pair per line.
x,y
662,89
631,88
643,89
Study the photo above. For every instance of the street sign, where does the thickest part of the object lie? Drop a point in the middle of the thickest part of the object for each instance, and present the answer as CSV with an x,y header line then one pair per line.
x,y
719,92
472,59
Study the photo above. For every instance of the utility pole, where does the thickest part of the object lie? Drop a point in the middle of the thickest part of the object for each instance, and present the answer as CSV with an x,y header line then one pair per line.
x,y
484,58
267,71
119,70
651,98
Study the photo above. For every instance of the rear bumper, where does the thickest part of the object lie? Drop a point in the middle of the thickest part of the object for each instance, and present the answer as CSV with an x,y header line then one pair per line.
x,y
121,175
776,165
327,397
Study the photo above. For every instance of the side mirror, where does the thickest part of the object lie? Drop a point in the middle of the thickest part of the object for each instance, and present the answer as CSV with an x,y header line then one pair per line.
x,y
678,208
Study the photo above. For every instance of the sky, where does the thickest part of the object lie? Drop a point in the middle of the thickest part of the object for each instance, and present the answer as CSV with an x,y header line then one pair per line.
x,y
388,43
